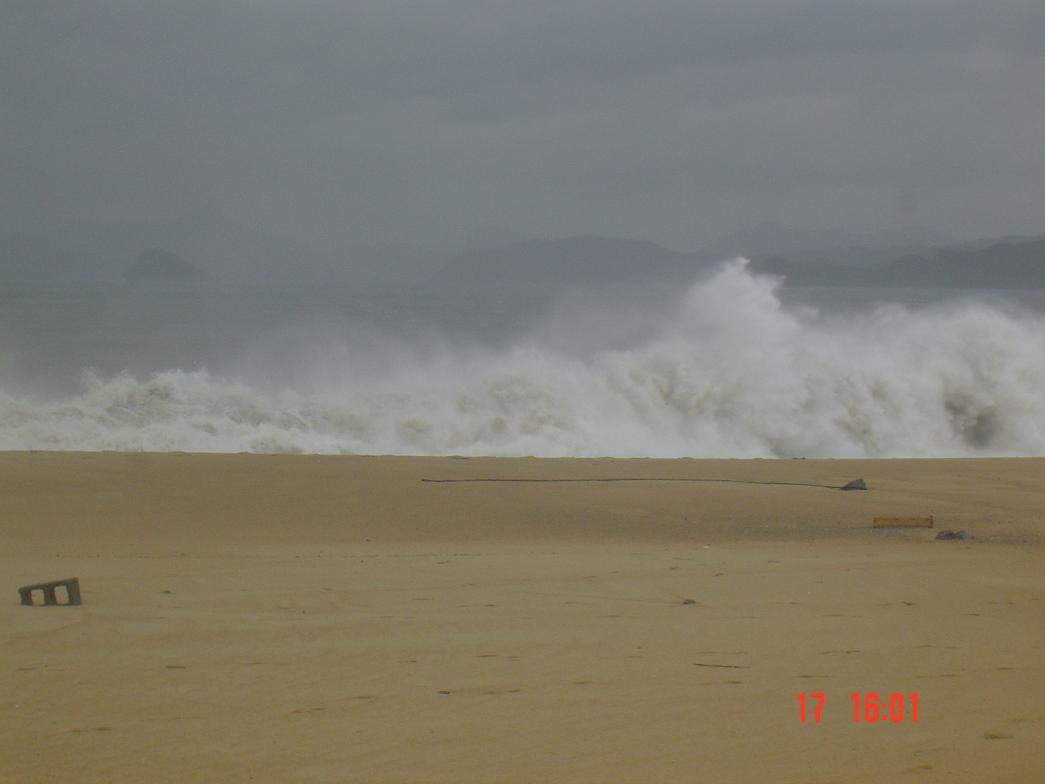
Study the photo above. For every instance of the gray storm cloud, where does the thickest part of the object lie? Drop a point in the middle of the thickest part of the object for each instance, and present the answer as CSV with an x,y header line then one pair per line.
x,y
418,121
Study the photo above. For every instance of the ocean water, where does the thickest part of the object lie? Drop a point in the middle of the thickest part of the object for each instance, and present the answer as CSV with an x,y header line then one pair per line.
x,y
735,365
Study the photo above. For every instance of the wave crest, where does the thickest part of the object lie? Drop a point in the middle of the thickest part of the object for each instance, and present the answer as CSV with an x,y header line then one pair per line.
x,y
732,373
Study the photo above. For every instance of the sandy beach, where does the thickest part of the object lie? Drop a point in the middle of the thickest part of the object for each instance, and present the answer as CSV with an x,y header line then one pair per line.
x,y
254,618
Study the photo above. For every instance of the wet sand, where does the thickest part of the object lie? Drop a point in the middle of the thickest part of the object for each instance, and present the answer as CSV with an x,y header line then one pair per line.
x,y
336,619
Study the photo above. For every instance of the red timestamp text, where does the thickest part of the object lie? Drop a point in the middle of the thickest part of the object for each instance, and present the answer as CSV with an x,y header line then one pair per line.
x,y
868,707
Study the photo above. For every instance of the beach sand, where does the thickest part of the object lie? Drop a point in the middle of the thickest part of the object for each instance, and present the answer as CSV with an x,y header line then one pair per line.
x,y
336,619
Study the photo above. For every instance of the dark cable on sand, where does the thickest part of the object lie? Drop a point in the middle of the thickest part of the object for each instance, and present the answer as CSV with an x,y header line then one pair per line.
x,y
641,479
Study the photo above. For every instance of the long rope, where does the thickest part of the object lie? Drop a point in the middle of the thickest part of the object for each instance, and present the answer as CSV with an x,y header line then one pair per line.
x,y
634,479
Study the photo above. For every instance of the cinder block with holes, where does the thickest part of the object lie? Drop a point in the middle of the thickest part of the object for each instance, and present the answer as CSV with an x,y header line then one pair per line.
x,y
49,592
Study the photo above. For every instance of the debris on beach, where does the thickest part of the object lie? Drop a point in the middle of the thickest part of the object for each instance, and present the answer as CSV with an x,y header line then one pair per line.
x,y
949,534
50,595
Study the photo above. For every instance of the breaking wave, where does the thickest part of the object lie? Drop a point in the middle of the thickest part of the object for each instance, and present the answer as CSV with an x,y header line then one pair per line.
x,y
731,373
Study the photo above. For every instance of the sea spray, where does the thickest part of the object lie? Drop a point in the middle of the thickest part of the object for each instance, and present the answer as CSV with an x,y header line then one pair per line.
x,y
729,372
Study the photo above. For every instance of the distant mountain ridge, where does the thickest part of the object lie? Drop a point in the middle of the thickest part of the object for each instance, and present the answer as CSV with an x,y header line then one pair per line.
x,y
1006,264
770,239
1011,263
249,255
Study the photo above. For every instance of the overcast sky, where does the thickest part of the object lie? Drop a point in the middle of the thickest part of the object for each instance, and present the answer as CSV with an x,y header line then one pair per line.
x,y
419,121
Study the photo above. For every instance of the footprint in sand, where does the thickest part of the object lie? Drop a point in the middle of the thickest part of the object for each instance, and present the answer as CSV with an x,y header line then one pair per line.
x,y
997,735
1028,720
918,769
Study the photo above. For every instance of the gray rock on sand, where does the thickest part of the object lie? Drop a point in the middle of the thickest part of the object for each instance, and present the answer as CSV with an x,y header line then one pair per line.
x,y
948,535
856,484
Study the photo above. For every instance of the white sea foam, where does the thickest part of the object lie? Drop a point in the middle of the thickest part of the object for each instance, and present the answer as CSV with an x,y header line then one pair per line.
x,y
731,373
